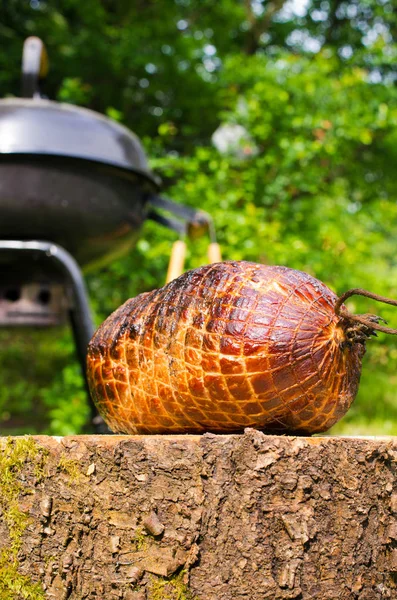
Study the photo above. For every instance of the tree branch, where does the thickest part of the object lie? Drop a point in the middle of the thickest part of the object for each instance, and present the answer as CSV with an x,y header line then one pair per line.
x,y
259,26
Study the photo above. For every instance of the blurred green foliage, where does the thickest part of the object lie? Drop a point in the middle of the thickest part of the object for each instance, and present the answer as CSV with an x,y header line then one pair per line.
x,y
311,185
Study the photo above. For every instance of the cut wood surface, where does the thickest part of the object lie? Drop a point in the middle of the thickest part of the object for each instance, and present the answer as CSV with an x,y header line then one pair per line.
x,y
212,517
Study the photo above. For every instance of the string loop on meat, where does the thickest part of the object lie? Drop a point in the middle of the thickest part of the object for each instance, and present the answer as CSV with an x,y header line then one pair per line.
x,y
371,321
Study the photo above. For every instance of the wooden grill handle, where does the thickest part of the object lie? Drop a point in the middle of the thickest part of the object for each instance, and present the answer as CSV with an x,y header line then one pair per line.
x,y
177,260
178,254
214,253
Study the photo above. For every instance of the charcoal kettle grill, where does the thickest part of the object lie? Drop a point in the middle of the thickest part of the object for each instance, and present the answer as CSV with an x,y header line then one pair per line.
x,y
75,190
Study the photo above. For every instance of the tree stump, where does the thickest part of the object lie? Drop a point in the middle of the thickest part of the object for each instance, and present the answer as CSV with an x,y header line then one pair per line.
x,y
212,517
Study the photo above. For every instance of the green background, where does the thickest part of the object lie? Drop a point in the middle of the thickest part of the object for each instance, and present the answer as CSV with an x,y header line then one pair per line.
x,y
311,185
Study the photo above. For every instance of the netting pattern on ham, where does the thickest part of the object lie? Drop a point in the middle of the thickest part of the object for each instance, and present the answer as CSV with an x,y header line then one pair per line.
x,y
224,347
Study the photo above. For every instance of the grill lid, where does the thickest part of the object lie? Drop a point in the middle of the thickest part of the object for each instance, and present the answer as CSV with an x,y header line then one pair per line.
x,y
42,127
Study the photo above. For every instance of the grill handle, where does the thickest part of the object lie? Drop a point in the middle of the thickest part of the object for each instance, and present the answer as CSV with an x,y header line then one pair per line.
x,y
192,223
34,66
177,260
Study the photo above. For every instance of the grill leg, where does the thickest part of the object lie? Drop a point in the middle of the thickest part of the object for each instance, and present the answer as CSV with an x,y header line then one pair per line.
x,y
80,315
82,334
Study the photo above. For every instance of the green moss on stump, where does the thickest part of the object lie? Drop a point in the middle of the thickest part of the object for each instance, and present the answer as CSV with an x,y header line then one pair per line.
x,y
70,467
13,585
140,540
13,456
173,588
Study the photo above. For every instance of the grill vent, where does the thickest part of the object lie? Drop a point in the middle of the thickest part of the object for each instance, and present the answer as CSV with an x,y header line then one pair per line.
x,y
33,305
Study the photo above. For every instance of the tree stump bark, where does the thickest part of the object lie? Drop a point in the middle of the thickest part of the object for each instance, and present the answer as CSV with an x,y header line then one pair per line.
x,y
198,517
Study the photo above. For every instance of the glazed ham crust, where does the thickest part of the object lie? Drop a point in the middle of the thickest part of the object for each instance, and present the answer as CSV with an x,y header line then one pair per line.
x,y
224,347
